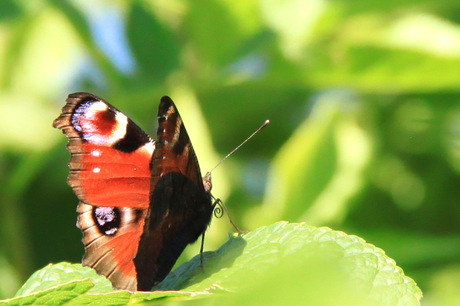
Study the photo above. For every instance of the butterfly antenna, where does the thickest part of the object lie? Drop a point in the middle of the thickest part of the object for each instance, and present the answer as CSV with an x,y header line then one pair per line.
x,y
241,144
218,206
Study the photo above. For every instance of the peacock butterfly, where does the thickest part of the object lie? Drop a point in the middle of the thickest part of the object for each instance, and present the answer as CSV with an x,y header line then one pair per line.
x,y
141,201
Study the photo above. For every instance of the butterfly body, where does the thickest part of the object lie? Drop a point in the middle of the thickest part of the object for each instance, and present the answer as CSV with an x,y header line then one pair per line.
x,y
141,201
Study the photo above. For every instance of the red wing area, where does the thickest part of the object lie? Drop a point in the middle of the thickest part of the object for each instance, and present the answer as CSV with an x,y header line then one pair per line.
x,y
103,176
110,155
110,174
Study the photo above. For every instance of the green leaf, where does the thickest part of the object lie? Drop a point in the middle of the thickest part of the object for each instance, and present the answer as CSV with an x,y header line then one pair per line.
x,y
55,295
56,274
285,253
315,265
72,283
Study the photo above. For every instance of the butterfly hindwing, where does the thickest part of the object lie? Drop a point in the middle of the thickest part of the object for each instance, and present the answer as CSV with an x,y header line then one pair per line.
x,y
141,201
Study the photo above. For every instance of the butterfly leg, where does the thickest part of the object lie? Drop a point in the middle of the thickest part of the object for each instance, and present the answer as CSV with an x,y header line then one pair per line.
x,y
201,252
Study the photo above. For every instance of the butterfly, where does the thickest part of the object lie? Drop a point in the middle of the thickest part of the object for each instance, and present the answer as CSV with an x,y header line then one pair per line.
x,y
141,201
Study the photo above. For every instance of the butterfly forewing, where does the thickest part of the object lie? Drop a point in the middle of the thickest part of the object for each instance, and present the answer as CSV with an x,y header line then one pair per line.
x,y
181,209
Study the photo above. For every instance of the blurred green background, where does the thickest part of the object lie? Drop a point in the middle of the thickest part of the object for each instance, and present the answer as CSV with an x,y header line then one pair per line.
x,y
363,96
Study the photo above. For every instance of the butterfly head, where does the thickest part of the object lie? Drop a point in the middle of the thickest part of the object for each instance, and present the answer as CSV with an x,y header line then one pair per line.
x,y
207,182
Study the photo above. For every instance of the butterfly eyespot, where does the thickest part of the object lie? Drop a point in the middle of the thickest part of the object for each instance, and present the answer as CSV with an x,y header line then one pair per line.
x,y
107,219
96,170
87,111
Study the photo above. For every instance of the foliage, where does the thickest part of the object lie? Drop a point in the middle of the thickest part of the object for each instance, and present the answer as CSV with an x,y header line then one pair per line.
x,y
310,263
363,97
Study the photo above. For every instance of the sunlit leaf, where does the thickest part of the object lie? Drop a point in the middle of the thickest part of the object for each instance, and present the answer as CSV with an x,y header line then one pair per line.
x,y
308,262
